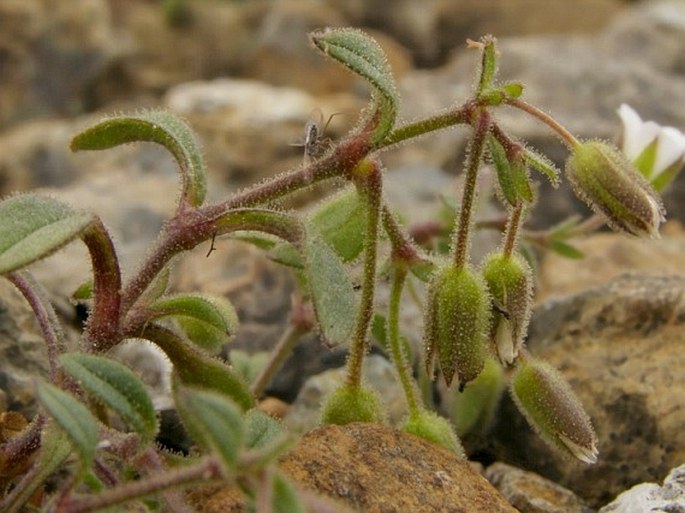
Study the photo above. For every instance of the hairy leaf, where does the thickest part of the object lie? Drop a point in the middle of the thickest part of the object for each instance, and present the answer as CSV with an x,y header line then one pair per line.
x,y
33,227
73,417
160,127
117,387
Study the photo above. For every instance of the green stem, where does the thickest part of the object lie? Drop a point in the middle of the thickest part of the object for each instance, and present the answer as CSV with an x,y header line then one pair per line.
x,y
475,155
423,126
566,136
399,356
276,357
370,190
511,235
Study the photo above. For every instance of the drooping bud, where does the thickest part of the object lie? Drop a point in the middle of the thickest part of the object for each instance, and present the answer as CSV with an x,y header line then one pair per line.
x,y
509,279
553,410
457,317
604,179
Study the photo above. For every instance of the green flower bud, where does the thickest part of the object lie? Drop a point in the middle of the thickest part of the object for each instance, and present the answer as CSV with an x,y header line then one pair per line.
x,y
604,179
352,404
509,280
553,410
434,428
457,317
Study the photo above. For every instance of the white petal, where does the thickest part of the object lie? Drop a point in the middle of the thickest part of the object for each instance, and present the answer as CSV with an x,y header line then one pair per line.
x,y
505,341
585,454
670,148
637,134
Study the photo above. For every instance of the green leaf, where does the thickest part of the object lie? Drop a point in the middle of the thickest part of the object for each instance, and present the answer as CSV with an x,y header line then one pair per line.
x,y
73,417
197,369
566,250
160,127
84,291
208,321
117,387
362,55
503,169
213,420
262,430
286,254
340,221
284,497
543,165
473,409
33,227
248,364
512,89
335,304
488,63
423,269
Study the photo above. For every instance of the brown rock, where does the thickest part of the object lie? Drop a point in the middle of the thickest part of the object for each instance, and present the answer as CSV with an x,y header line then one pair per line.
x,y
376,469
531,493
620,347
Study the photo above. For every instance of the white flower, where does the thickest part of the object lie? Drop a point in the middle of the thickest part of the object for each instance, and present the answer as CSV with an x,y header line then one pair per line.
x,y
657,151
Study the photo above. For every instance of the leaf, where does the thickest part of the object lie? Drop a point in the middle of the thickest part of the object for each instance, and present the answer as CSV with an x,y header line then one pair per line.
x,y
362,55
543,165
84,291
117,387
160,127
335,304
284,497
262,430
33,227
213,420
73,417
503,169
488,63
208,321
286,254
566,250
248,364
340,221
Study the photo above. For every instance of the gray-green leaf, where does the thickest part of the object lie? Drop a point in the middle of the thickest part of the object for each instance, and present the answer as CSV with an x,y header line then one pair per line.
x,y
117,387
73,417
335,304
213,420
208,321
160,127
33,227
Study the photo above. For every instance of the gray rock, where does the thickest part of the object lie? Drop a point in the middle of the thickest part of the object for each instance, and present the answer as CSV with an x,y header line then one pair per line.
x,y
529,492
650,497
620,348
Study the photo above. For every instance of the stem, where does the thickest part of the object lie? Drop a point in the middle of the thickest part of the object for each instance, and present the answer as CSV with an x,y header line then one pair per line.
x,y
427,125
278,354
588,226
37,298
399,356
371,190
567,137
511,236
206,469
103,325
475,155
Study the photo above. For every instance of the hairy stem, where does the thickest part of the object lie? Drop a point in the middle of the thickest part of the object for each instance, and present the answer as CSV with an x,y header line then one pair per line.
x,y
426,125
473,161
37,297
566,136
399,356
276,357
511,235
371,190
206,469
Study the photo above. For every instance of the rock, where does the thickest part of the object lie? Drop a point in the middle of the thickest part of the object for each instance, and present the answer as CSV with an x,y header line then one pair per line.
x,y
530,493
376,469
50,54
620,347
23,353
608,255
651,497
252,130
378,374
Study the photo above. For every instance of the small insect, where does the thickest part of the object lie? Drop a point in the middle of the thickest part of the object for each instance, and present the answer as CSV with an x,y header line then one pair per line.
x,y
314,141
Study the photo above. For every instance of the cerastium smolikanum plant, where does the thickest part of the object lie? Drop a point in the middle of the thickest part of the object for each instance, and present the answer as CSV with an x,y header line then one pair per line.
x,y
97,425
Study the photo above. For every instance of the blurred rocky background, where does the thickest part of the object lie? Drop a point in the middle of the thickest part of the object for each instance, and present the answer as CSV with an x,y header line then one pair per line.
x,y
245,77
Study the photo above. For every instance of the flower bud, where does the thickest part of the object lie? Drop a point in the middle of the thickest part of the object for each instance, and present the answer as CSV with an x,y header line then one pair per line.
x,y
457,317
352,404
604,179
509,279
553,410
